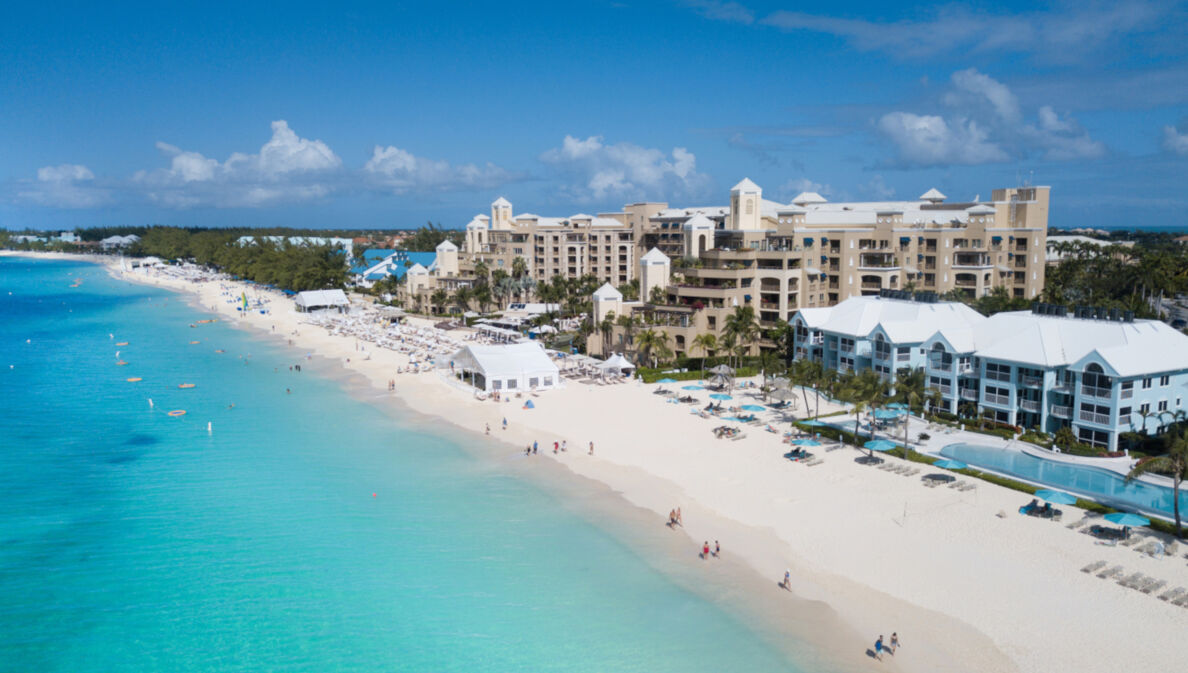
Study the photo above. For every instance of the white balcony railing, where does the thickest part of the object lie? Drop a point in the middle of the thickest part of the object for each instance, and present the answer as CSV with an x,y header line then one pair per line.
x,y
944,388
1000,400
1061,411
1029,405
1090,391
1032,381
1098,419
970,394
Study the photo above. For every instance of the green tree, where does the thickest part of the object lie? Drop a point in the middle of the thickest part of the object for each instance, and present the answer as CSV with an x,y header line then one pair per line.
x,y
652,344
705,342
607,328
1174,464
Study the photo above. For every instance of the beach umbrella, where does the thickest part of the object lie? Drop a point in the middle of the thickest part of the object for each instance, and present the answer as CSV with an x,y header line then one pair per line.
x,y
951,464
666,381
692,387
814,423
1127,519
879,445
722,370
753,407
721,396
887,414
1057,497
782,394
897,405
529,405
806,442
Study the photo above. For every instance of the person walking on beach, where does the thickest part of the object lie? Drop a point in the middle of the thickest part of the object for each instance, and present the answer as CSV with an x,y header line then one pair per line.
x,y
488,428
528,450
591,448
717,549
680,521
535,448
705,552
556,447
787,585
879,648
564,448
505,422
894,644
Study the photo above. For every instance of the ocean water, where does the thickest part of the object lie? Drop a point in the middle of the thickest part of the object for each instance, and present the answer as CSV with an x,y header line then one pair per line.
x,y
307,532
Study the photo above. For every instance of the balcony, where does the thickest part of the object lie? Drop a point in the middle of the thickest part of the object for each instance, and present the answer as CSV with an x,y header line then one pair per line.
x,y
944,388
1061,411
1063,387
1126,393
965,368
1096,419
998,400
1031,381
940,365
970,394
1029,405
1100,393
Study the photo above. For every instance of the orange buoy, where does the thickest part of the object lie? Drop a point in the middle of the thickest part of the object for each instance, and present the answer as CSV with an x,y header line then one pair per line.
x,y
220,350
186,385
134,379
121,363
194,342
121,343
178,412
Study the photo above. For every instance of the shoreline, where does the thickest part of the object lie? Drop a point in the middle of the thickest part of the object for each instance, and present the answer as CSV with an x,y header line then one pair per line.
x,y
966,590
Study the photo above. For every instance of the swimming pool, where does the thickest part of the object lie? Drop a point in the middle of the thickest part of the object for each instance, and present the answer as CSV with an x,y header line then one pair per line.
x,y
1104,486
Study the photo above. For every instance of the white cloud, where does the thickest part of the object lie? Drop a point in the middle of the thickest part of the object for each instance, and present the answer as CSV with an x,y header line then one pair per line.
x,y
929,140
878,188
1174,141
985,124
400,171
287,169
595,171
64,186
1063,33
794,186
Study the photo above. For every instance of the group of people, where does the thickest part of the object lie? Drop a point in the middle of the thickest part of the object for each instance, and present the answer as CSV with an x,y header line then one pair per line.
x,y
706,553
891,646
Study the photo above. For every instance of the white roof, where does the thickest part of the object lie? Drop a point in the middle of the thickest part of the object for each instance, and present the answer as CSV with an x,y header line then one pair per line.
x,y
790,208
808,197
447,246
1129,348
478,223
607,293
581,216
321,298
932,195
616,362
501,202
903,320
745,186
654,256
505,361
699,221
417,268
980,209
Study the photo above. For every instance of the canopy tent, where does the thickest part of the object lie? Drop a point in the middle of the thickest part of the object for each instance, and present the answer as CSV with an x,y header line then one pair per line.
x,y
499,334
315,300
617,364
505,367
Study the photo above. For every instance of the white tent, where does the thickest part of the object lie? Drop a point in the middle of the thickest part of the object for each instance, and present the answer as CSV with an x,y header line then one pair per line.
x,y
506,367
617,364
313,300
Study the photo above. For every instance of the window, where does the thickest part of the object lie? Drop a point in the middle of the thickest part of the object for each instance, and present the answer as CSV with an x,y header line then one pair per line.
x,y
511,383
1164,380
997,372
497,384
1125,413
1146,383
1145,408
1163,405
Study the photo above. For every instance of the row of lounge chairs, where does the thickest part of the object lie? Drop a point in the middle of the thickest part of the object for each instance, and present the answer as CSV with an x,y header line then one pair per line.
x,y
900,469
955,485
1139,582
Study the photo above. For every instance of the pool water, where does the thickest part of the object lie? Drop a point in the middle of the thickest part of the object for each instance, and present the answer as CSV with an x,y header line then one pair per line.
x,y
1104,486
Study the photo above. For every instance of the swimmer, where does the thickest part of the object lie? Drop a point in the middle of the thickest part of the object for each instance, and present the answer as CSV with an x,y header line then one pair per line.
x,y
231,406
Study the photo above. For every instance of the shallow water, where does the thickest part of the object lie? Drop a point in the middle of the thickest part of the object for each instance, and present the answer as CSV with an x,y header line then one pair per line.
x,y
307,532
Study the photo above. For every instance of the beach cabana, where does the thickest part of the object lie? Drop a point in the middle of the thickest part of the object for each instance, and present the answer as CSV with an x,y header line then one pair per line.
x,y
505,367
616,365
322,300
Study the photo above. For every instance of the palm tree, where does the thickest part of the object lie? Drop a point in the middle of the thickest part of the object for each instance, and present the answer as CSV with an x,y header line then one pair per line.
x,y
658,296
911,387
1175,463
652,344
628,323
519,267
607,328
742,325
462,297
481,271
706,342
439,299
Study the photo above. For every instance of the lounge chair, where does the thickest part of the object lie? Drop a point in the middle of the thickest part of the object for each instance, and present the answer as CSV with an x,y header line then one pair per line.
x,y
1093,567
1152,586
1131,581
1107,574
1182,601
1173,595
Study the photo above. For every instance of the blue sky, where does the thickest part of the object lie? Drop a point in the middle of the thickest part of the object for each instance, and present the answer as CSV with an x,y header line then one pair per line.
x,y
392,114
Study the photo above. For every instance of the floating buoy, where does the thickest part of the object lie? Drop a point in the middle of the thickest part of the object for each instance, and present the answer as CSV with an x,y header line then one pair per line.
x,y
178,412
121,343
134,379
209,428
220,350
194,342
150,403
186,385
121,363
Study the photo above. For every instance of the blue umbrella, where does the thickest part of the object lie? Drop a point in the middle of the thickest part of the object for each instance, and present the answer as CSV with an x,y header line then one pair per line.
x,y
951,464
814,423
879,445
692,387
806,442
1058,497
1127,519
897,405
529,405
666,381
721,396
753,407
887,414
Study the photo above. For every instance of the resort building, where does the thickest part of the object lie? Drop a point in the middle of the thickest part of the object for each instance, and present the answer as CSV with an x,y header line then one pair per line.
x,y
377,264
1099,372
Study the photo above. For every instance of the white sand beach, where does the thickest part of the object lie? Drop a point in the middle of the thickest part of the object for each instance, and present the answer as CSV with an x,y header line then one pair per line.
x,y
967,582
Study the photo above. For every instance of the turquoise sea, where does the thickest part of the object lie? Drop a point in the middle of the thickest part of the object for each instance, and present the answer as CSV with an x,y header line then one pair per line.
x,y
308,532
